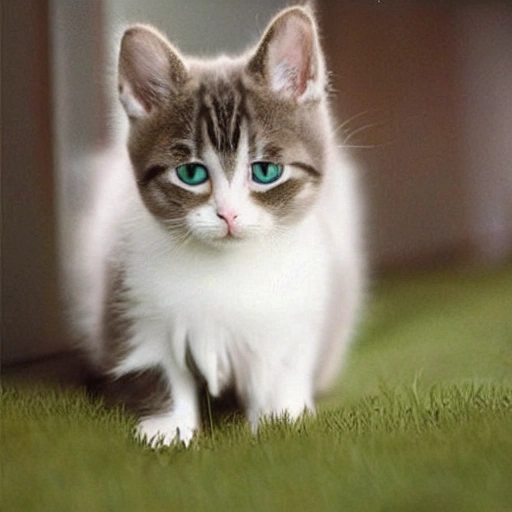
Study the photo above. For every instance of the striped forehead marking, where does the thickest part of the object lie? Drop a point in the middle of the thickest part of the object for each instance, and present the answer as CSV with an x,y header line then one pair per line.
x,y
220,115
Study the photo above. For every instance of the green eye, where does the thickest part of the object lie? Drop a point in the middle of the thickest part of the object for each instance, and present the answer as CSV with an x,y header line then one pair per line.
x,y
266,172
192,174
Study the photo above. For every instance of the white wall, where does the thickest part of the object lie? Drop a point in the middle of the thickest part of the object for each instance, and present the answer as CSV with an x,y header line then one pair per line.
x,y
199,27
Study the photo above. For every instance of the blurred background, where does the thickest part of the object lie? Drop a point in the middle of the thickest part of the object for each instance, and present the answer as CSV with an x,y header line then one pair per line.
x,y
422,93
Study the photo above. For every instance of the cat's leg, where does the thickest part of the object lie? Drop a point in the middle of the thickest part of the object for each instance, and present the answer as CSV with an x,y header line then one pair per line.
x,y
167,408
180,420
280,383
290,397
144,376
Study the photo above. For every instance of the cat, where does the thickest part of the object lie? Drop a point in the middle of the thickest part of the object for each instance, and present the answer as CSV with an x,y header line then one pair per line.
x,y
226,246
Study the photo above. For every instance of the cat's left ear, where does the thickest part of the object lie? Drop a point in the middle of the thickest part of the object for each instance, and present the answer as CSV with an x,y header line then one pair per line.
x,y
150,71
288,58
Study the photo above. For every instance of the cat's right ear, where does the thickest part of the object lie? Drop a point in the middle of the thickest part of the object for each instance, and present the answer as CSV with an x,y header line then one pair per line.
x,y
288,59
150,71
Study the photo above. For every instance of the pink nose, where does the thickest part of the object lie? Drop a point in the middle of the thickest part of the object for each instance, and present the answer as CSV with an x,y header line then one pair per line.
x,y
228,216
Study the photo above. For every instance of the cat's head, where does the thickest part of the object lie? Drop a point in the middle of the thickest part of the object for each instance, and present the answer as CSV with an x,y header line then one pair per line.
x,y
228,149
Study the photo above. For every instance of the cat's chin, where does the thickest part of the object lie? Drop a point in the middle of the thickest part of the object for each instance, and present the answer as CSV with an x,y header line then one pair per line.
x,y
228,241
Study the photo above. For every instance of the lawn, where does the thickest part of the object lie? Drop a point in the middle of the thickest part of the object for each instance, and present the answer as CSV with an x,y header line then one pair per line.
x,y
421,420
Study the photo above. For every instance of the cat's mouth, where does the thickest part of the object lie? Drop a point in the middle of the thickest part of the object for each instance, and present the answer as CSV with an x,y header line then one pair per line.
x,y
227,239
231,233
231,238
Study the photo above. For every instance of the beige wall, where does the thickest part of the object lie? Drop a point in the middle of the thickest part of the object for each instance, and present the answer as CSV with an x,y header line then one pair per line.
x,y
431,88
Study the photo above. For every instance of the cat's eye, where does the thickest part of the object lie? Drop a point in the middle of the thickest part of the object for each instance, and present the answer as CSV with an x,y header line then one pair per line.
x,y
192,173
266,172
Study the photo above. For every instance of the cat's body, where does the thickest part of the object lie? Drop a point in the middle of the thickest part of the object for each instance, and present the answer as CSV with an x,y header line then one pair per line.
x,y
234,254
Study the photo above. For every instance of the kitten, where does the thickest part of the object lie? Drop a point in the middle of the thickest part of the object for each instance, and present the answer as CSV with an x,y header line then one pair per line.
x,y
226,244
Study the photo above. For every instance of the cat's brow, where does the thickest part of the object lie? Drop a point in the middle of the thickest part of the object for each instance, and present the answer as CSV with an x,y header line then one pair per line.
x,y
272,152
180,150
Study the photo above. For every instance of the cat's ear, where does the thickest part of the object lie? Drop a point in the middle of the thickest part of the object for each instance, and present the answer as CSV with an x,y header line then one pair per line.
x,y
150,70
288,58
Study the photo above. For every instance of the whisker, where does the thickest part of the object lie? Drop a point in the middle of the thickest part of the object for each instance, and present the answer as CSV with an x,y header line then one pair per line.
x,y
362,129
366,146
182,241
174,222
353,118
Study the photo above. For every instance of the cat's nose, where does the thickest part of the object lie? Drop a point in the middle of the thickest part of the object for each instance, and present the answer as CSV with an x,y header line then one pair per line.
x,y
228,216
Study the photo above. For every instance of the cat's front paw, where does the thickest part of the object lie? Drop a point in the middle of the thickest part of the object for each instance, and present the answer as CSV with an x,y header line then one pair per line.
x,y
167,429
290,413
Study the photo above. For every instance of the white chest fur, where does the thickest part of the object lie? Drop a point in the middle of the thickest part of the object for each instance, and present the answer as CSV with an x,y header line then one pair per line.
x,y
234,308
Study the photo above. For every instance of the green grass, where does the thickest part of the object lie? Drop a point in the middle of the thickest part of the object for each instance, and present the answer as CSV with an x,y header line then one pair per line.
x,y
441,327
420,421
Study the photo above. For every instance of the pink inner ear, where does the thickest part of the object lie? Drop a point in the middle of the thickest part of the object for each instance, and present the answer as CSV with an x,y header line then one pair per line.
x,y
290,58
299,57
